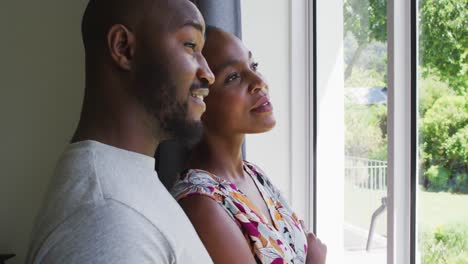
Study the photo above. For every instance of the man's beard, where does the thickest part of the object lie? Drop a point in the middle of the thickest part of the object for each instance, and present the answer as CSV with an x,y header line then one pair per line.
x,y
158,95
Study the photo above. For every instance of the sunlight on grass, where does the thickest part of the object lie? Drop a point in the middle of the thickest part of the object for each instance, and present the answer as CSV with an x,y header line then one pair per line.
x,y
436,209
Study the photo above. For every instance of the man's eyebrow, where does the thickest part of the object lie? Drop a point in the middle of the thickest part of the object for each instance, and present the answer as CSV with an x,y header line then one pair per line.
x,y
195,24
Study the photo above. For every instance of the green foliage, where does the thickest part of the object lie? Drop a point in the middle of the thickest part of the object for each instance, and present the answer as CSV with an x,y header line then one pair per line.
x,y
461,183
430,89
379,152
443,36
444,133
444,41
445,245
457,146
365,78
364,136
367,20
438,178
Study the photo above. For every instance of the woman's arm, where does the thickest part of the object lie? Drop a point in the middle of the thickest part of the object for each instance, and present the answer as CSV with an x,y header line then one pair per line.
x,y
316,250
219,233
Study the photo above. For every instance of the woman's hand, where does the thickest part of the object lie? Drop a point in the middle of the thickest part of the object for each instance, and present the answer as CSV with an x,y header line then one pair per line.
x,y
316,250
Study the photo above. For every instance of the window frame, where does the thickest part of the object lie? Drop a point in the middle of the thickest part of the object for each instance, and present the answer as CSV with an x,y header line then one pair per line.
x,y
301,110
402,127
402,133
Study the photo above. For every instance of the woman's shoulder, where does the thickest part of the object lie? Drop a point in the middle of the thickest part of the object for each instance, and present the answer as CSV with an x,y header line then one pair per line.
x,y
260,174
265,181
199,177
196,182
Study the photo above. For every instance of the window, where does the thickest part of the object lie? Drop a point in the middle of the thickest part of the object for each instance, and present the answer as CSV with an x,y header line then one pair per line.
x,y
363,161
442,188
351,129
365,131
359,143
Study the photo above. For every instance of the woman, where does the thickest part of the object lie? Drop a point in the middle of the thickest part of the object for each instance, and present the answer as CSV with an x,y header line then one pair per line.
x,y
238,214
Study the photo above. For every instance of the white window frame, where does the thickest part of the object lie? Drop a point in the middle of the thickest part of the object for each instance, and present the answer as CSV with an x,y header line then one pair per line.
x,y
401,140
301,124
305,153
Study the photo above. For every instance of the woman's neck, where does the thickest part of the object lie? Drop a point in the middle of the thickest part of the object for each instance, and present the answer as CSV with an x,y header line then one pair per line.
x,y
219,155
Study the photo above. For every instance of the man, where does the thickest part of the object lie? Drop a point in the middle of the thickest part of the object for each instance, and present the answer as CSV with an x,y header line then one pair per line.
x,y
145,82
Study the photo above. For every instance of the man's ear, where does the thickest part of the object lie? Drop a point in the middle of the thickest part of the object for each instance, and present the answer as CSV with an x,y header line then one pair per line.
x,y
121,43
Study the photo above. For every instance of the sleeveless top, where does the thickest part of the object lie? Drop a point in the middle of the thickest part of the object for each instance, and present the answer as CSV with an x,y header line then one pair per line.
x,y
282,242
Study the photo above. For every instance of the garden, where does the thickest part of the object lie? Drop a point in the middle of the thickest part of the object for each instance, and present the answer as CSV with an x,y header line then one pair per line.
x,y
442,200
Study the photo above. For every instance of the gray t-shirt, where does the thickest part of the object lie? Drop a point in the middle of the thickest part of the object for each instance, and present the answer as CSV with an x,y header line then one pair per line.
x,y
107,205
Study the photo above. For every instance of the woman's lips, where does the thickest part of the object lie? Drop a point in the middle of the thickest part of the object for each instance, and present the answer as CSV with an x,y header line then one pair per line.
x,y
263,108
262,105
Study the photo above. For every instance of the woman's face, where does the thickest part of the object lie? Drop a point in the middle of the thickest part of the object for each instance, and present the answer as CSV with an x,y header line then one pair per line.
x,y
239,101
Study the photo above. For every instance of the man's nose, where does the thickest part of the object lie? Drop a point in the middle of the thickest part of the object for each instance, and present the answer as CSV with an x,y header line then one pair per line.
x,y
204,71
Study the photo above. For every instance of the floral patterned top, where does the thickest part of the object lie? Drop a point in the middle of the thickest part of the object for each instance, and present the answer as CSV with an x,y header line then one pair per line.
x,y
282,242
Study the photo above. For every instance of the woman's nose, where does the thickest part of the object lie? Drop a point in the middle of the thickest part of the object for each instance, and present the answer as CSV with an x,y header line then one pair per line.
x,y
258,84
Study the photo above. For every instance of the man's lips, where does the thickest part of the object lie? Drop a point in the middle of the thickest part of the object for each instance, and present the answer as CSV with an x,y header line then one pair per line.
x,y
263,101
200,93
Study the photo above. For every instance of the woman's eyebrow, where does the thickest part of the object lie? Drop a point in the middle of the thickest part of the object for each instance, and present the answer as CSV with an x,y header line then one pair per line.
x,y
231,62
227,64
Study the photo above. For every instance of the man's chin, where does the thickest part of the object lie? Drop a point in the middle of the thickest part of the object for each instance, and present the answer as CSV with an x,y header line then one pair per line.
x,y
195,109
195,117
189,133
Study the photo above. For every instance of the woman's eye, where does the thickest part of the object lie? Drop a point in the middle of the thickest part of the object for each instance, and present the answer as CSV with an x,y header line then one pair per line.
x,y
254,66
232,77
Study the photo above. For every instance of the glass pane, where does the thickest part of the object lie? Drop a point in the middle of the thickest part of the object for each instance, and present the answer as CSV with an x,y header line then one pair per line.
x,y
442,207
365,55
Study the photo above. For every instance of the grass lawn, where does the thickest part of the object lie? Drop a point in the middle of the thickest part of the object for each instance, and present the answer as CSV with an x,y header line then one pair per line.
x,y
437,209
434,209
359,206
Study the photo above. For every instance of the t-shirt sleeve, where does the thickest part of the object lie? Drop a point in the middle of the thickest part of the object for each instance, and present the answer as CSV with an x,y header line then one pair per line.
x,y
112,233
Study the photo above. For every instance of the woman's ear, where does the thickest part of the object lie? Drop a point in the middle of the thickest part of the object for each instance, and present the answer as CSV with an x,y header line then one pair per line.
x,y
121,43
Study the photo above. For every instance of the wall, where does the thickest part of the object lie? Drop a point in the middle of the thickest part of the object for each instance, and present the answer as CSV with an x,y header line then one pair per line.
x,y
265,31
41,86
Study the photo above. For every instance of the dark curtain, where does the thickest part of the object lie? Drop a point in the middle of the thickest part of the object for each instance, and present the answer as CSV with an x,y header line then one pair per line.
x,y
225,14
171,155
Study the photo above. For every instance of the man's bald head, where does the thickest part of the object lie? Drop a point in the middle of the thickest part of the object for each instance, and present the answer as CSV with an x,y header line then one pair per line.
x,y
144,56
101,15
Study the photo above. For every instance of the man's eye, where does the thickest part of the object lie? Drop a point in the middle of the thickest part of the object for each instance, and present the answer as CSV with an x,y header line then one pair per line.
x,y
232,77
254,66
190,45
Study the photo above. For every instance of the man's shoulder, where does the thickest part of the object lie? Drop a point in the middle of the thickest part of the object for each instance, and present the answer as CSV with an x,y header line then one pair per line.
x,y
110,231
107,217
96,204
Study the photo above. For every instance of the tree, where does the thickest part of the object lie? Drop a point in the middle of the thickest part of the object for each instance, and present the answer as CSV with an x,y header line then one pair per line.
x,y
444,131
363,135
367,21
443,36
444,41
430,90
